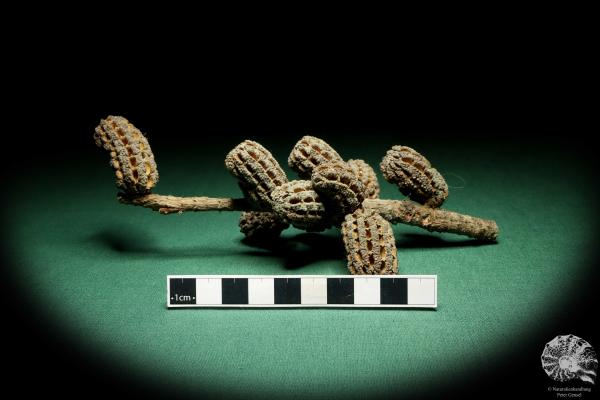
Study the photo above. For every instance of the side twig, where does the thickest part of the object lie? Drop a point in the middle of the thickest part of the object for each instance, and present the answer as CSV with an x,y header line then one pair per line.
x,y
395,211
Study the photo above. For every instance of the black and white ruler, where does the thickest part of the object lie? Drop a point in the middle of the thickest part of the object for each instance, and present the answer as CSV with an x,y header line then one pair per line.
x,y
273,291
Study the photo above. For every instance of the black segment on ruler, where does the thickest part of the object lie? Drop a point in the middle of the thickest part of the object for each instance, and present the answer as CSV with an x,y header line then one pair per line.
x,y
287,290
234,290
340,291
394,290
182,290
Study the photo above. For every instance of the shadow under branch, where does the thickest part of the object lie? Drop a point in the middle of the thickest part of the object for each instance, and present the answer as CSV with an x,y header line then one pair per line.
x,y
294,251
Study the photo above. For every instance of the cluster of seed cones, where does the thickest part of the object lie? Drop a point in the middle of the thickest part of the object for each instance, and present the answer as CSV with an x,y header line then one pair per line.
x,y
331,191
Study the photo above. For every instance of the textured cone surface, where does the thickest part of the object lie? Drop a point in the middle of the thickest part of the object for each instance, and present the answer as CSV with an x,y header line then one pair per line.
x,y
257,171
310,152
130,153
339,187
415,176
298,204
367,176
255,224
370,244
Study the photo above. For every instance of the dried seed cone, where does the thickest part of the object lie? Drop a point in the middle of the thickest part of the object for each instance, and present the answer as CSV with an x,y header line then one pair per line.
x,y
130,153
370,244
415,176
339,187
257,225
308,153
367,176
298,204
257,171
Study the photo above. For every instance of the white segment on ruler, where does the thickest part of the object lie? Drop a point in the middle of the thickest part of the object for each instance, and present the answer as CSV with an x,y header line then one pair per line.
x,y
208,290
260,291
366,291
421,291
313,290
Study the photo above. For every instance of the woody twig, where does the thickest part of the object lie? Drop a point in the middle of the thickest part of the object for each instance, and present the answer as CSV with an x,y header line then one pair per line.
x,y
394,211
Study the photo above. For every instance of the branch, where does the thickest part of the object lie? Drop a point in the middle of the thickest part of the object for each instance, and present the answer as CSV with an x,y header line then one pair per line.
x,y
395,211
173,204
434,219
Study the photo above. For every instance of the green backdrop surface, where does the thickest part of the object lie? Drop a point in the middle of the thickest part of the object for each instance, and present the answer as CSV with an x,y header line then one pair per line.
x,y
98,271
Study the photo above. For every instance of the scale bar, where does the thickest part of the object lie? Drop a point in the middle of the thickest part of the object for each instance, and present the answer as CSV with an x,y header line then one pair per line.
x,y
285,291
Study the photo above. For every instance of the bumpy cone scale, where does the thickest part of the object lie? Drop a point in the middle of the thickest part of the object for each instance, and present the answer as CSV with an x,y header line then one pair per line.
x,y
339,193
309,153
415,176
367,176
130,154
337,183
258,174
298,204
370,244
261,225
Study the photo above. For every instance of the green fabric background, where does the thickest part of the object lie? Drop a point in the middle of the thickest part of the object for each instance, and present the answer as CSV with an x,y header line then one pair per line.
x,y
98,270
